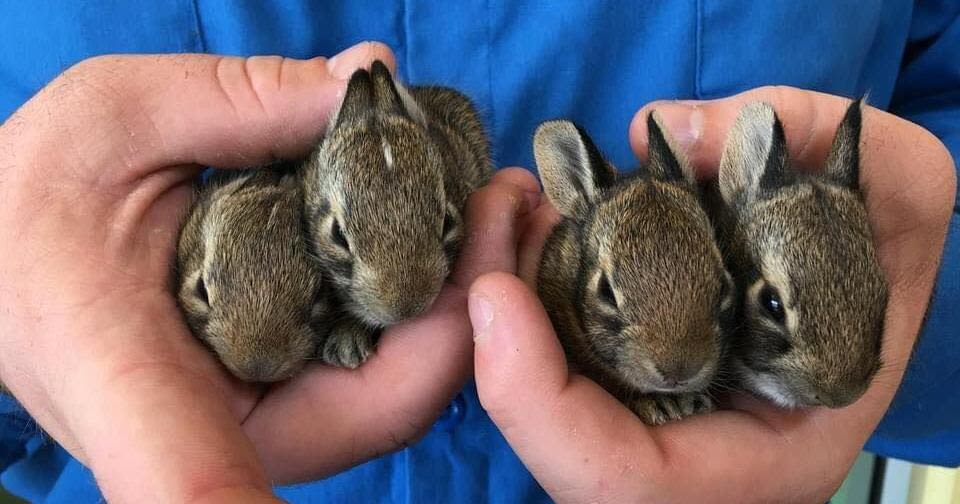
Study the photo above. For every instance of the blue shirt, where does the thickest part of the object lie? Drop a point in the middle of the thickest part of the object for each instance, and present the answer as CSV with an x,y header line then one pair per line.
x,y
524,62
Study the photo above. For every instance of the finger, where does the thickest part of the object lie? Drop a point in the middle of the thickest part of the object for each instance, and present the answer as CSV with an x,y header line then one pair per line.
x,y
395,396
150,418
810,121
571,434
519,177
584,446
907,175
535,230
491,225
165,110
328,419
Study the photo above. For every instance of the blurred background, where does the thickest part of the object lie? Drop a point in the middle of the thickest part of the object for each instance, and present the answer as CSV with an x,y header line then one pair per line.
x,y
878,480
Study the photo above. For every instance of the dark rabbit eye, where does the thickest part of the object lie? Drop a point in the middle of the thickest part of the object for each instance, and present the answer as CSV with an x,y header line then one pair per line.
x,y
771,302
338,236
448,224
202,291
605,291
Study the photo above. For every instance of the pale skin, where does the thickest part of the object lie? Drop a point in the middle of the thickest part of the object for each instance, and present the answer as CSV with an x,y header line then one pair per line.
x,y
94,178
95,175
584,446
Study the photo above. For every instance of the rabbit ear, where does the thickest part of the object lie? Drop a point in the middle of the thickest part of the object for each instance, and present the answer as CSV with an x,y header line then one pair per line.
x,y
571,167
358,99
392,97
843,162
755,155
667,162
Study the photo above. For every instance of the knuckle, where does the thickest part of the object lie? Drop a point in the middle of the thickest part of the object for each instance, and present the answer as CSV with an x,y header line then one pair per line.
x,y
779,95
939,173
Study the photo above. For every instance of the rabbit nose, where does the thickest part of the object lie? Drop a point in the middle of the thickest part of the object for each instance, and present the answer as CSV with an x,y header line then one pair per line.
x,y
259,370
404,297
681,374
835,399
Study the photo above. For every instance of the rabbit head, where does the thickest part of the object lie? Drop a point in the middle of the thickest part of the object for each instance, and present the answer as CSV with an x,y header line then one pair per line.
x,y
245,282
653,295
814,296
377,210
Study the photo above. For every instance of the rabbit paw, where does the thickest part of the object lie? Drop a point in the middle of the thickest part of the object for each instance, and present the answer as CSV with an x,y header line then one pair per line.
x,y
349,344
658,409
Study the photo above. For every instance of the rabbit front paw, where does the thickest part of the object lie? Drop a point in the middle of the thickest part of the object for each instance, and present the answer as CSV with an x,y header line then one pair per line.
x,y
658,409
349,344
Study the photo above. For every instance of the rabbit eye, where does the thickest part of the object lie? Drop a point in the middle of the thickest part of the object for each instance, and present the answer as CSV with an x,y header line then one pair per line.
x,y
771,302
605,291
338,236
201,290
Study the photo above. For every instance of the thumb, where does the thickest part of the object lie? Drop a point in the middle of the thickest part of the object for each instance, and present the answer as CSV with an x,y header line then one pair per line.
x,y
514,343
563,427
154,111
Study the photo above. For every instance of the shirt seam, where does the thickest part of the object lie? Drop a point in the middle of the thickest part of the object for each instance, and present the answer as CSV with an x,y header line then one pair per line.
x,y
698,71
491,117
201,37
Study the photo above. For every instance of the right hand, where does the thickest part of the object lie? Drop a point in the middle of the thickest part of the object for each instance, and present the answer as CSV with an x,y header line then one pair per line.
x,y
584,446
96,172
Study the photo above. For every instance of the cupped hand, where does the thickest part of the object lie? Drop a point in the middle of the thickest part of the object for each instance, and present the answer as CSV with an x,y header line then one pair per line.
x,y
95,176
584,446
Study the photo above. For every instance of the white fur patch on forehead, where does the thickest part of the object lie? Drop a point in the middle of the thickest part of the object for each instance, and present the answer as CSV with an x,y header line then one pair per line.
x,y
387,152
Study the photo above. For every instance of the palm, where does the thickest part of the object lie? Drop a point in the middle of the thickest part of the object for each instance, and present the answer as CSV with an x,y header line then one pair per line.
x,y
100,167
730,454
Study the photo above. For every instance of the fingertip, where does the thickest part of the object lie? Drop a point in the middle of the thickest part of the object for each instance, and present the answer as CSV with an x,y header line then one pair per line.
x,y
361,55
516,342
537,228
638,132
490,283
490,238
520,177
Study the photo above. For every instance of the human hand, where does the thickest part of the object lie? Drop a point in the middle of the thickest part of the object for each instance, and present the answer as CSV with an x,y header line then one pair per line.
x,y
584,446
97,170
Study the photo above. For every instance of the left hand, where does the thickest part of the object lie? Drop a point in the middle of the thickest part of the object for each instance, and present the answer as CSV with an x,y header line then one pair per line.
x,y
584,446
95,175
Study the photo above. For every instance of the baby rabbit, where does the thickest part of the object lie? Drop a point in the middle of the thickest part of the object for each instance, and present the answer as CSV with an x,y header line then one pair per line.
x,y
245,281
385,192
802,252
631,277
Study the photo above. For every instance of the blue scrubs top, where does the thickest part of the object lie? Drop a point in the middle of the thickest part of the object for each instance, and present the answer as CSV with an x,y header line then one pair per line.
x,y
524,62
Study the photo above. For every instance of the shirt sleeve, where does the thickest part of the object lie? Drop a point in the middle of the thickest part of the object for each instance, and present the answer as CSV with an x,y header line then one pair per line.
x,y
923,423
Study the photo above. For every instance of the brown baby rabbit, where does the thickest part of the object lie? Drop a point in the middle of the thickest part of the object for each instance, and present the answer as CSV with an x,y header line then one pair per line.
x,y
801,250
631,277
245,281
385,192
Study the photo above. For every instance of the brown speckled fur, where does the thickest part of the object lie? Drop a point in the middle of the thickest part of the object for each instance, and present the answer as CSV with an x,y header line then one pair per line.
x,y
385,193
806,236
268,307
654,244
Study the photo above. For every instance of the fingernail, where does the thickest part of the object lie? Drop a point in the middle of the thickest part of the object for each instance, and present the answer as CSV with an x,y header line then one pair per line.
x,y
683,120
481,315
349,60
